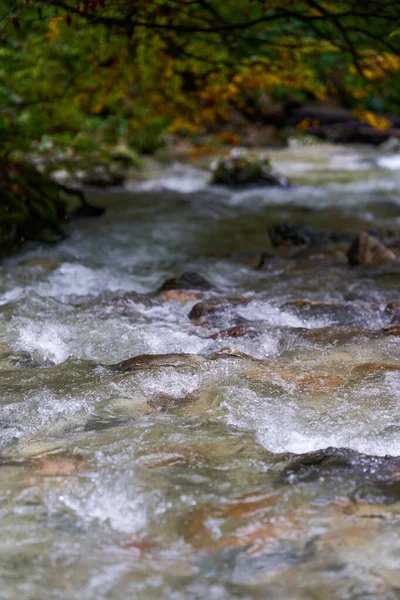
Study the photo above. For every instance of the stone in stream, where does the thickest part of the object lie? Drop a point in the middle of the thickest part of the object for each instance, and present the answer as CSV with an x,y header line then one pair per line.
x,y
369,252
217,312
239,169
392,330
343,313
186,288
155,361
186,382
53,465
369,475
186,281
182,296
290,234
165,402
293,378
372,369
334,335
235,332
11,359
47,264
102,175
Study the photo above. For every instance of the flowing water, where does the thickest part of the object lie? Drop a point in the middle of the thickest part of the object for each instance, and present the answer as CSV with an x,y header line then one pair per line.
x,y
260,462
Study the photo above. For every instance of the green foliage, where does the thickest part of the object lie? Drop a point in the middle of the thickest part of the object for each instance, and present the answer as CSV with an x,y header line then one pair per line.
x,y
98,72
149,137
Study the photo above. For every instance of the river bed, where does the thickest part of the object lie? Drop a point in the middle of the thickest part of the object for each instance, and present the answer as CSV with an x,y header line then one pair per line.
x,y
252,451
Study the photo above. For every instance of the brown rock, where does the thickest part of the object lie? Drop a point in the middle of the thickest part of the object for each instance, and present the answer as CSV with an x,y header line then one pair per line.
x,y
373,368
234,332
369,252
393,330
144,362
48,264
180,296
187,281
57,466
166,402
215,311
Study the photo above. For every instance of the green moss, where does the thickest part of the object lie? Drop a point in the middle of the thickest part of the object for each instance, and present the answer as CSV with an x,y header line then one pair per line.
x,y
239,169
31,206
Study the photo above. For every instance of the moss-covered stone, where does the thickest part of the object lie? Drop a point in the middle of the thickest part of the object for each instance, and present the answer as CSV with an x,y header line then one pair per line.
x,y
240,169
31,206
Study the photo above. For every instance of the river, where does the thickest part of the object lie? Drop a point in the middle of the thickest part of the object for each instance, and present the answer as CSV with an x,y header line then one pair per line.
x,y
256,463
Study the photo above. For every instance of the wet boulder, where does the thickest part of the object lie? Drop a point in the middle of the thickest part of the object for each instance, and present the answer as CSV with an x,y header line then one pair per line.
x,y
217,312
342,313
164,402
145,362
371,476
239,169
291,234
187,281
125,156
367,251
45,263
371,370
236,332
102,175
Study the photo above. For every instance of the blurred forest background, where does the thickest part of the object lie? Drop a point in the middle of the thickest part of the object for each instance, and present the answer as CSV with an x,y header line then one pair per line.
x,y
95,84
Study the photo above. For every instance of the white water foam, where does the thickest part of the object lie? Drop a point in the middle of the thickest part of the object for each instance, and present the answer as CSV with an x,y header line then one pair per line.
x,y
74,279
258,310
178,178
391,162
48,341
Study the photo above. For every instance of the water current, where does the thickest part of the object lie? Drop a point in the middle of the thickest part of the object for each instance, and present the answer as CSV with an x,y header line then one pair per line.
x,y
251,451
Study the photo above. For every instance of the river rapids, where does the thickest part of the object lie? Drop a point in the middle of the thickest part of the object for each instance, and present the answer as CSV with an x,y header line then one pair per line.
x,y
233,441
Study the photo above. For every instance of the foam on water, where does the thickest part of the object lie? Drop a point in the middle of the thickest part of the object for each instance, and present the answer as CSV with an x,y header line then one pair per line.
x,y
178,178
111,500
295,421
46,341
112,340
391,162
11,295
257,310
74,279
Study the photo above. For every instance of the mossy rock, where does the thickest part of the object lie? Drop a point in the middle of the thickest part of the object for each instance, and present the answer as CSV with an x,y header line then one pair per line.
x,y
103,175
31,206
239,170
124,156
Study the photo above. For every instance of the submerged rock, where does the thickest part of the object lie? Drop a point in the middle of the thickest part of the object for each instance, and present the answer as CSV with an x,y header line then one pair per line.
x,y
344,313
150,361
187,281
47,264
217,312
291,234
369,252
182,296
370,369
240,170
12,359
56,465
165,402
102,176
236,332
370,475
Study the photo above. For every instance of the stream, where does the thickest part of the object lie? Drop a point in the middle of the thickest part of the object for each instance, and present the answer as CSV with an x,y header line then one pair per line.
x,y
251,450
